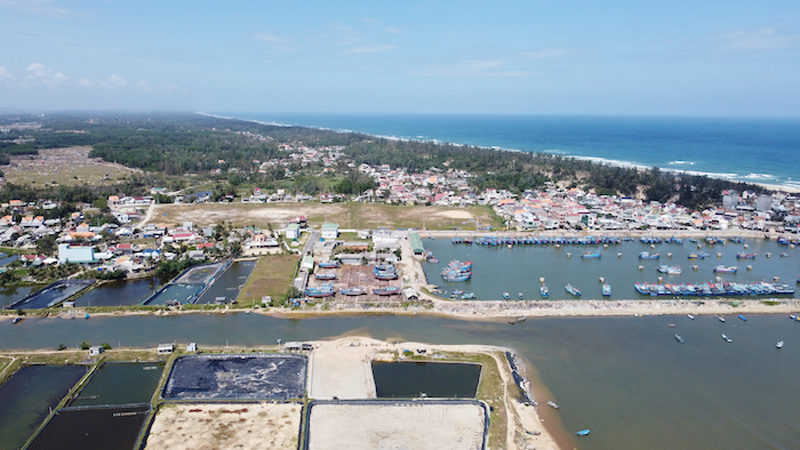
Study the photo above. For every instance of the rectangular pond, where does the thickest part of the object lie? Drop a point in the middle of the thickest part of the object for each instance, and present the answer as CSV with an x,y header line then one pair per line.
x,y
120,293
434,379
26,399
187,286
121,383
52,294
11,294
245,376
229,283
106,428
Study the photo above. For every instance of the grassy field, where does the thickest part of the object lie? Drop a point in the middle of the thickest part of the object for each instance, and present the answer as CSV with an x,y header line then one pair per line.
x,y
347,215
64,166
272,276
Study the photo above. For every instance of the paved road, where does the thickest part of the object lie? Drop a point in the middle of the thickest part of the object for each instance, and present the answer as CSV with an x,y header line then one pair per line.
x,y
312,240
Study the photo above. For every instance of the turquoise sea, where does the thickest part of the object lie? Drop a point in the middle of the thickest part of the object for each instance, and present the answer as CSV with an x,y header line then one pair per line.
x,y
759,150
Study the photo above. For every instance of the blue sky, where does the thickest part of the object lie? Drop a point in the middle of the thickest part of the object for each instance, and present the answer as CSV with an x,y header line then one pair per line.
x,y
675,57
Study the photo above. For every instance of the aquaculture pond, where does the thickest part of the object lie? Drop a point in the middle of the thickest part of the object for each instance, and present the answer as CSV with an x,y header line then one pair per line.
x,y
26,399
226,287
121,293
106,428
104,388
10,294
52,294
434,379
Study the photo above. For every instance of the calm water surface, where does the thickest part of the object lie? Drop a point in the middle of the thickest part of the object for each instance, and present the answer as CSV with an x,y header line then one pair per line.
x,y
518,269
139,381
627,379
229,283
121,293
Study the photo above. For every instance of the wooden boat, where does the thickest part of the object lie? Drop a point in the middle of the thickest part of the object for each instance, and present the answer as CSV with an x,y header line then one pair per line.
x,y
572,290
544,291
743,255
506,296
386,291
690,316
721,319
521,295
517,320
725,269
727,339
606,290
16,320
646,255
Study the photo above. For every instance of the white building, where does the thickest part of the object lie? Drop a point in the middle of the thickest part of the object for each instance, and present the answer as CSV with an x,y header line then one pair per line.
x,y
75,254
330,231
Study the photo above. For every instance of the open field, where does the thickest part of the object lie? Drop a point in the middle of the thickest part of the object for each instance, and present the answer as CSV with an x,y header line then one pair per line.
x,y
347,215
67,166
272,276
225,426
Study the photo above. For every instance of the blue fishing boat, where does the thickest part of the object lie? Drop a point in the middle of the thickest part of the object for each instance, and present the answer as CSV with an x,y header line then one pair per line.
x,y
725,269
468,296
572,290
743,317
679,338
353,291
670,270
325,276
606,290
506,296
329,264
583,432
386,291
544,291
591,255
727,339
646,255
743,255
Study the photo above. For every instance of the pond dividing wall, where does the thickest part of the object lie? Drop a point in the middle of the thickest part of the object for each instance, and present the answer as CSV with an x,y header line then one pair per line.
x,y
26,399
237,377
434,379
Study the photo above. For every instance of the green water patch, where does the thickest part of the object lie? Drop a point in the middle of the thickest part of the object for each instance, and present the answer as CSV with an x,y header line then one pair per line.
x,y
433,379
120,383
108,428
27,397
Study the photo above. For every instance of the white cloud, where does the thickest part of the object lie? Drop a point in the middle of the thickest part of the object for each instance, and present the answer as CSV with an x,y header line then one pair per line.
x,y
277,43
85,82
393,30
364,49
44,7
114,81
40,73
142,84
4,74
762,39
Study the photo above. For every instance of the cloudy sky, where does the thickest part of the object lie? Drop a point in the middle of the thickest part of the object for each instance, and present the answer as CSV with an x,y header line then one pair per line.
x,y
673,57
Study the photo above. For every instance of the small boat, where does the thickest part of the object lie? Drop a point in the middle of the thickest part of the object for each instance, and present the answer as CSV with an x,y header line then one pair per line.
x,y
671,325
583,432
727,339
325,276
521,295
328,265
457,292
16,320
544,291
779,344
743,317
671,270
606,290
86,316
572,290
690,316
646,255
721,319
468,295
506,296
517,320
679,338
743,255
386,291
552,404
725,269
591,255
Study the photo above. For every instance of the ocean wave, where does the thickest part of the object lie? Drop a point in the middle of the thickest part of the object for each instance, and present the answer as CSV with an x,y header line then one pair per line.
x,y
680,162
759,176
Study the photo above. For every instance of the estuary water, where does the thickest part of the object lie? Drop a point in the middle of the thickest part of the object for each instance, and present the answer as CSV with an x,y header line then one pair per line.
x,y
625,378
760,150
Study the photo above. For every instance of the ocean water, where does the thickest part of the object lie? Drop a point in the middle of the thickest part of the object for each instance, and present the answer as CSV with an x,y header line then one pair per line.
x,y
759,150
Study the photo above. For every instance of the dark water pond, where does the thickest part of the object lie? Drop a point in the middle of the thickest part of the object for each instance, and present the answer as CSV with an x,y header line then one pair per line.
x,y
111,428
434,379
119,383
26,399
121,293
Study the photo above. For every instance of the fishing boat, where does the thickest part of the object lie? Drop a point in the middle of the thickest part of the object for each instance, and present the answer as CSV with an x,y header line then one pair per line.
x,y
457,292
323,291
591,255
544,291
679,338
353,291
552,404
743,255
386,291
725,269
647,255
328,264
743,317
726,338
521,295
606,290
583,432
468,296
517,320
572,290
721,319
779,344
325,276
506,296
670,270
389,276
690,316
16,320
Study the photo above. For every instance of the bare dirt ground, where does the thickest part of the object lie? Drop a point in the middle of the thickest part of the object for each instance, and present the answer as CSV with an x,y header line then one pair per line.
x,y
347,215
225,426
342,369
383,426
68,166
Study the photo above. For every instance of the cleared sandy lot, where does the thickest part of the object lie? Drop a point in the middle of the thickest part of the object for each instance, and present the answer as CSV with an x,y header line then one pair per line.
x,y
397,425
342,369
226,426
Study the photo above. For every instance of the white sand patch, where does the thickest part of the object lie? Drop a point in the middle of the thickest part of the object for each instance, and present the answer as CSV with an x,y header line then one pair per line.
x,y
455,214
435,426
342,369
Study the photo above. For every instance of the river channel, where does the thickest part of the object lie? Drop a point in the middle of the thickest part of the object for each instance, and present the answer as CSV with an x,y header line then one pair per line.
x,y
625,378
